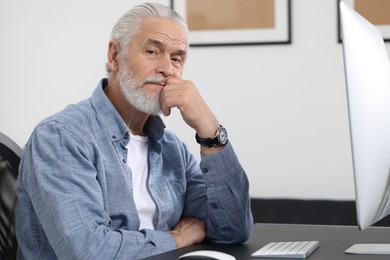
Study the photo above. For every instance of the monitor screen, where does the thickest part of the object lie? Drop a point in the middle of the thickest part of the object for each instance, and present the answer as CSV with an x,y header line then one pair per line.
x,y
367,73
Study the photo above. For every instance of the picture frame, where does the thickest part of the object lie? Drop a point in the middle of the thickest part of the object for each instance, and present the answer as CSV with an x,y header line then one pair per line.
x,y
236,22
372,11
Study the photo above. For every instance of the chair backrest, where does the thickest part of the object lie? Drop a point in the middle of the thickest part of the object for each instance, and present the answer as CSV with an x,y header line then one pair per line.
x,y
10,154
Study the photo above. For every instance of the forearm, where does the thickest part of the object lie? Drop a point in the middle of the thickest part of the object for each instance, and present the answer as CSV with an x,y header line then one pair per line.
x,y
229,218
188,231
206,151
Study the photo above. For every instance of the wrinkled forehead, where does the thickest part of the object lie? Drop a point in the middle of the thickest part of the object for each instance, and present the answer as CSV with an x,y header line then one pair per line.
x,y
164,30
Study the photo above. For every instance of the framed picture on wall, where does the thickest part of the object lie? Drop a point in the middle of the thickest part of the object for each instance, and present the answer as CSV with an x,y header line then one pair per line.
x,y
236,22
375,11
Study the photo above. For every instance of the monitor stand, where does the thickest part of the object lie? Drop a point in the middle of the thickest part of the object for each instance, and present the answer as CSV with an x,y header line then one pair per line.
x,y
369,249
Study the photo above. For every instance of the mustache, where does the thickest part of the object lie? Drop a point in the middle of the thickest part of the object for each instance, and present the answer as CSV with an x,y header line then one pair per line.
x,y
155,80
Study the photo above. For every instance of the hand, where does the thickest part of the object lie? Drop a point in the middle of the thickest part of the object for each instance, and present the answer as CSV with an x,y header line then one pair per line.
x,y
188,231
184,95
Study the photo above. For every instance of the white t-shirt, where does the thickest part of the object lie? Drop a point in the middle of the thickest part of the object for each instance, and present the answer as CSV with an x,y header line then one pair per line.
x,y
137,160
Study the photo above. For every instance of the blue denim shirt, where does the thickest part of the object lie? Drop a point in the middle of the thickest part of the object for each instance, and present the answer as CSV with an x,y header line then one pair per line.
x,y
75,196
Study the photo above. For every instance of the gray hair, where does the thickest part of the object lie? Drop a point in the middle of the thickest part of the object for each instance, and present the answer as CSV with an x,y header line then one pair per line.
x,y
130,23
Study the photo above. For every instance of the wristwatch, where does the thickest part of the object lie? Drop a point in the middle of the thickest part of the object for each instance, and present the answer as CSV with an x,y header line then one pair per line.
x,y
220,138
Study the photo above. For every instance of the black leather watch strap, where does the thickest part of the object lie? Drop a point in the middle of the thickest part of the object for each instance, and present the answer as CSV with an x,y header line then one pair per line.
x,y
220,138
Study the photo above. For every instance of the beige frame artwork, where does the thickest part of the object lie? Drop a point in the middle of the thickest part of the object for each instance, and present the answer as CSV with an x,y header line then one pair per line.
x,y
375,11
236,22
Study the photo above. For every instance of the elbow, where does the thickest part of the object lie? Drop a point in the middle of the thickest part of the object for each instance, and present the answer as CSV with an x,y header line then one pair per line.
x,y
244,234
237,233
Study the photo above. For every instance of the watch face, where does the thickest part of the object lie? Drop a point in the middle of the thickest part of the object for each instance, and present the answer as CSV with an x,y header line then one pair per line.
x,y
222,137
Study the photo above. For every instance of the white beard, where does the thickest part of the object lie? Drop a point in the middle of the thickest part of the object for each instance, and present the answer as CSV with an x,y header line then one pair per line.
x,y
134,94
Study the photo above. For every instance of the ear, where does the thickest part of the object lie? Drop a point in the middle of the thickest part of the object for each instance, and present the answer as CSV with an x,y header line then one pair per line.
x,y
113,56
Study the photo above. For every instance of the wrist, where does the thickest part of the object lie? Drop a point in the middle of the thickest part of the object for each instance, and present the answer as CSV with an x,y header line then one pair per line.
x,y
207,133
207,128
177,237
218,139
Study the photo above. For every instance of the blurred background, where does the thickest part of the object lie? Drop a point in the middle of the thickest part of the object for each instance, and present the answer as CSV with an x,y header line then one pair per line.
x,y
284,105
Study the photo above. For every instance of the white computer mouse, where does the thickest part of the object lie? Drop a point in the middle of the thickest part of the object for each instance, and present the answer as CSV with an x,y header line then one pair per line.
x,y
207,254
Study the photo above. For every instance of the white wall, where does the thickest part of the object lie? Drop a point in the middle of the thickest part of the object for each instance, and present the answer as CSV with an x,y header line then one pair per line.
x,y
283,105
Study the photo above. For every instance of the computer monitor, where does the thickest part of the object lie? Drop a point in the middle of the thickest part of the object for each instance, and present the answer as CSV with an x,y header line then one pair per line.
x,y
367,73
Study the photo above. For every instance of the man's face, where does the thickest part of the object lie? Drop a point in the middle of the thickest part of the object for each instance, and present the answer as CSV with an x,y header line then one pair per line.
x,y
155,54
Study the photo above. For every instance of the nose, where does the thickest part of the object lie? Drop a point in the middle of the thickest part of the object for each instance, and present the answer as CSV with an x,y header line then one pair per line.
x,y
165,66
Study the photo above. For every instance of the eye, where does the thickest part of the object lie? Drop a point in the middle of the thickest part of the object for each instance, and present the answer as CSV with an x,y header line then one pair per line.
x,y
177,60
151,52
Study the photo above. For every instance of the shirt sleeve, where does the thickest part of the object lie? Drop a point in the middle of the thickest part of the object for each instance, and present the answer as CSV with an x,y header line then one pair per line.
x,y
226,206
60,195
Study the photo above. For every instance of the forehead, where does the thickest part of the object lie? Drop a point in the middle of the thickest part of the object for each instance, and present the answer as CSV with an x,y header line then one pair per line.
x,y
164,30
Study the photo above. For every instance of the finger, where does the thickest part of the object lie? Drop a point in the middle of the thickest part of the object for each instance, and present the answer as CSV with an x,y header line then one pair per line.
x,y
170,97
166,111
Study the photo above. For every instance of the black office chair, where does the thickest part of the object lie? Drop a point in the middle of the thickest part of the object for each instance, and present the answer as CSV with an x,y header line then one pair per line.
x,y
10,154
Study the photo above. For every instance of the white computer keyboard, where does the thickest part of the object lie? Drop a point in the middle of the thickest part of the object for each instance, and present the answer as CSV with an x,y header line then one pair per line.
x,y
291,249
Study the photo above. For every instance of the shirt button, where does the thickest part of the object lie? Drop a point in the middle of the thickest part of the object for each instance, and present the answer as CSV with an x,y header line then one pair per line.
x,y
205,170
214,205
113,137
124,160
126,135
